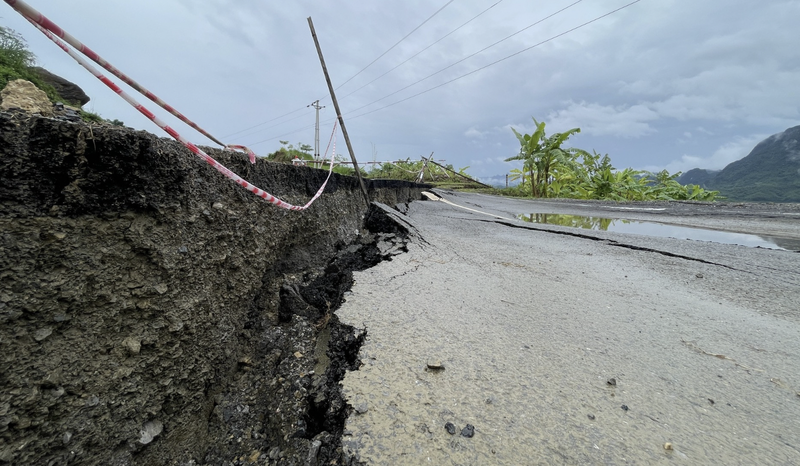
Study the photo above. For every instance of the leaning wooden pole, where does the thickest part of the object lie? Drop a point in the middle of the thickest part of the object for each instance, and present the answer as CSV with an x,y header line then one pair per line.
x,y
338,112
459,174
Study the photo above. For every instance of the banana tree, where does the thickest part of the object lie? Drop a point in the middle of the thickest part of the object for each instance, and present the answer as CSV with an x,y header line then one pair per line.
x,y
517,174
541,154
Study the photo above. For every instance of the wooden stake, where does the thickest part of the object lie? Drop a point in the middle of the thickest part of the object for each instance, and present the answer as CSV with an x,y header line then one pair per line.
x,y
338,112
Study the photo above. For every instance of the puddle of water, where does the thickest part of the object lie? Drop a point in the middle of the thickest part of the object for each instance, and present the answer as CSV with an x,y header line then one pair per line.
x,y
637,227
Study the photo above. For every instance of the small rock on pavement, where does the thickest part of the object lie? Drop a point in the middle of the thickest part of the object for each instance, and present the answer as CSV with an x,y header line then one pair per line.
x,y
435,365
668,446
612,381
591,417
699,275
361,407
624,407
468,431
450,428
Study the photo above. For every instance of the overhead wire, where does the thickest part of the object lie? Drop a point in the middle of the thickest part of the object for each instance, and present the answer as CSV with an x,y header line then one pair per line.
x,y
468,56
396,44
304,128
498,61
351,77
265,122
426,48
471,72
275,125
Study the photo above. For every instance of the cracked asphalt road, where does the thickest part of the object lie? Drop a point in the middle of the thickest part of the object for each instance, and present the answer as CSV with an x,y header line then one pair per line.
x,y
532,323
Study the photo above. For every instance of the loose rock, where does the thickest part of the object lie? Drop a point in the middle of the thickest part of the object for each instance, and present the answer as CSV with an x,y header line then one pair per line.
x,y
133,345
468,431
311,459
435,365
66,89
42,333
275,453
23,94
450,428
150,430
361,408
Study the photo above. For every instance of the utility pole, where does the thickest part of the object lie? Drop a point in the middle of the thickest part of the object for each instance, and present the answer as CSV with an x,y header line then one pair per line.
x,y
317,106
424,166
338,112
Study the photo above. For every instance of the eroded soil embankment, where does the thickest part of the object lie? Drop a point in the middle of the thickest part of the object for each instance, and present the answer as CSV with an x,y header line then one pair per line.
x,y
152,312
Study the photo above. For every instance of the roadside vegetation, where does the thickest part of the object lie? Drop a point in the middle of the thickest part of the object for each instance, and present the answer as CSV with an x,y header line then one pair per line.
x,y
300,153
549,170
552,170
16,62
421,171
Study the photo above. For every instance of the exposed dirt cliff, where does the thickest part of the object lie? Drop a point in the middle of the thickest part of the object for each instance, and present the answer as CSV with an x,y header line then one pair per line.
x,y
153,312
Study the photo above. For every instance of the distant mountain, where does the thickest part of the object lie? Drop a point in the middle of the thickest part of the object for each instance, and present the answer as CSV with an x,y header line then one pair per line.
x,y
770,173
498,181
698,176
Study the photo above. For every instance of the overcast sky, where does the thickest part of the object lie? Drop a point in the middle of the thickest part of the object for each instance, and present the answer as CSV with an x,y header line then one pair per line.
x,y
673,84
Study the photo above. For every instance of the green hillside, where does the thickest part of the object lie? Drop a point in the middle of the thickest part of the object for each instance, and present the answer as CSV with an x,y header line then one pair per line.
x,y
698,176
770,173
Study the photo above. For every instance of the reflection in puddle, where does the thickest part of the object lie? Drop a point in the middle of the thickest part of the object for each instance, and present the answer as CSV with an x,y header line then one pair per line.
x,y
662,230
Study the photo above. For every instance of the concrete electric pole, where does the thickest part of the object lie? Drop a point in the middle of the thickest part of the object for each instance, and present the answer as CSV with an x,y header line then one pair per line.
x,y
317,106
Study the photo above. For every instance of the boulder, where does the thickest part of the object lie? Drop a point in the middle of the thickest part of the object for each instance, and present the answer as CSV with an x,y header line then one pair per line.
x,y
70,91
23,94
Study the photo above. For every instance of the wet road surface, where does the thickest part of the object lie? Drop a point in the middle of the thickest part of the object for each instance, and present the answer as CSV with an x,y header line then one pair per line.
x,y
568,346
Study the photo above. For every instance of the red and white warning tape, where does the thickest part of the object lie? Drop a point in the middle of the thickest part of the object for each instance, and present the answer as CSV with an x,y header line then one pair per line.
x,y
53,32
32,15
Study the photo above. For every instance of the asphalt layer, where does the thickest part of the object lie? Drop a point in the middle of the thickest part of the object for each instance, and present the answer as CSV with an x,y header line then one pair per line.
x,y
565,346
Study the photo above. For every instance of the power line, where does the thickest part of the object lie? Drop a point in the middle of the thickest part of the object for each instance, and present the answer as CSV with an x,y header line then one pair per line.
x,y
498,61
351,77
468,56
275,125
469,73
265,122
426,48
395,45
285,134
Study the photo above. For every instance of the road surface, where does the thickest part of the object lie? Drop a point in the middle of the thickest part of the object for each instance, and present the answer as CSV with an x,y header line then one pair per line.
x,y
569,346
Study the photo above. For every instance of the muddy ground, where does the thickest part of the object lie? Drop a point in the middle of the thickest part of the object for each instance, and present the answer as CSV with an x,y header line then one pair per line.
x,y
153,312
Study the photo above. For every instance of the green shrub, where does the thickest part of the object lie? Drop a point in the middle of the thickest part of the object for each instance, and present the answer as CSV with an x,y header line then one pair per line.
x,y
16,62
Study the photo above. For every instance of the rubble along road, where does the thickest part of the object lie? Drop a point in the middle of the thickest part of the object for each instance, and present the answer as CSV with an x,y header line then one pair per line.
x,y
495,341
